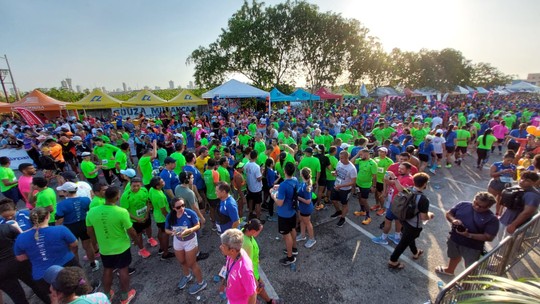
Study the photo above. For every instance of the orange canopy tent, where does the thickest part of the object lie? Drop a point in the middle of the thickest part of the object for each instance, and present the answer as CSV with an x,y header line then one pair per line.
x,y
35,101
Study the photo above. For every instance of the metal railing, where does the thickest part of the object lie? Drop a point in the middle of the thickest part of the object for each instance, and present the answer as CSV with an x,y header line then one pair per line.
x,y
496,262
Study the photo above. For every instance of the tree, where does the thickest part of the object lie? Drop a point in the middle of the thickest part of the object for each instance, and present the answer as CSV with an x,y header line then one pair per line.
x,y
485,75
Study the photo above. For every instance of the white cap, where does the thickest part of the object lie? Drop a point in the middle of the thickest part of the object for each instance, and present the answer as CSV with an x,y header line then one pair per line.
x,y
344,146
67,186
383,149
199,126
84,154
439,131
129,172
76,138
178,135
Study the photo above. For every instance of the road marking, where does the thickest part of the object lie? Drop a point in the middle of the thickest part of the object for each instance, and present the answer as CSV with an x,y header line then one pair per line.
x,y
356,250
267,286
440,209
407,260
464,183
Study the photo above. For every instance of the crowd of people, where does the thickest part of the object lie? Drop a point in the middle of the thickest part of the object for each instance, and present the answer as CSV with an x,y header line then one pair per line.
x,y
119,179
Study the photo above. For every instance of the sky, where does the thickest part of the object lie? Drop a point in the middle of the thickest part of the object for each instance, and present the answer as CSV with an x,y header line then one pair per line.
x,y
146,43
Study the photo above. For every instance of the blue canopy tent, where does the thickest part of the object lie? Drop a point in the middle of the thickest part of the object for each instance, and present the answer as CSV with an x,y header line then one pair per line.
x,y
522,87
471,90
302,95
482,90
461,90
277,96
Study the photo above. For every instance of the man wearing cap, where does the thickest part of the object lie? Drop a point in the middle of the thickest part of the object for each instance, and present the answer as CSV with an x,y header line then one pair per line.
x,y
169,177
105,154
144,167
243,138
89,169
83,188
383,162
345,179
126,176
71,212
366,179
312,163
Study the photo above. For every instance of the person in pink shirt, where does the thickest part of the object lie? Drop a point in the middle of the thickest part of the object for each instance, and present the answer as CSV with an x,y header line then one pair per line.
x,y
239,281
25,180
500,131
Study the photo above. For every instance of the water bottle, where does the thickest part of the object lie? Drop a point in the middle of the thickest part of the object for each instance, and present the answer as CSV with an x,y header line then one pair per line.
x,y
293,267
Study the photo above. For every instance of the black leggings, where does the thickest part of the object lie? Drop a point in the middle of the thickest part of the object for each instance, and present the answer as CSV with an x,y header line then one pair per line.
x,y
10,274
408,239
482,154
108,173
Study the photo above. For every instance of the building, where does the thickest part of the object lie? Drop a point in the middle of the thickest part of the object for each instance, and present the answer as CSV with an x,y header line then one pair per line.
x,y
64,84
190,85
171,84
70,87
157,88
124,86
103,90
79,89
534,78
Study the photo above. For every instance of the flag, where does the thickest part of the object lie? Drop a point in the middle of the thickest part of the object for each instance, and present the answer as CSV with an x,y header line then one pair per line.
x,y
445,97
363,91
474,94
383,104
438,96
29,116
489,94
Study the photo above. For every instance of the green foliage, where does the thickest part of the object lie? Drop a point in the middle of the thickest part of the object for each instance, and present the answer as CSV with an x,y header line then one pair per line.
x,y
502,290
485,75
63,94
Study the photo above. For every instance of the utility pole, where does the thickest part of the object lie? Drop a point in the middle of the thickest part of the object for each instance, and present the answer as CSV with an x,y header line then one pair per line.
x,y
3,74
17,94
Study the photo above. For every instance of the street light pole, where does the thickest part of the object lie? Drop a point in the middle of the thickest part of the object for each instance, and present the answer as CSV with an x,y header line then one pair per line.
x,y
17,95
3,74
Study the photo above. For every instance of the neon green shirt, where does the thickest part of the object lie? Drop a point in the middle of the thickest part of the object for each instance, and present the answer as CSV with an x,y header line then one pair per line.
x,y
366,169
145,164
105,155
87,167
333,163
110,224
382,166
46,198
180,162
135,202
159,200
97,201
252,249
7,173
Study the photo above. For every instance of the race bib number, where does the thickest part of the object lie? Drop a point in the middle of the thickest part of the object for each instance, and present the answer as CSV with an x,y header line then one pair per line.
x,y
142,211
380,170
505,179
105,161
223,272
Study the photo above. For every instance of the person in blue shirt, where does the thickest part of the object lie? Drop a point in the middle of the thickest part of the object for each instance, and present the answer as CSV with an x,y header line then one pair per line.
x,y
45,246
450,144
118,119
520,132
227,215
10,215
71,212
287,213
271,177
425,152
169,177
395,150
305,207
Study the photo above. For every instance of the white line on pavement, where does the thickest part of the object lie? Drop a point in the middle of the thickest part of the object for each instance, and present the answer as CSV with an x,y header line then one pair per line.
x,y
440,209
464,183
424,271
267,286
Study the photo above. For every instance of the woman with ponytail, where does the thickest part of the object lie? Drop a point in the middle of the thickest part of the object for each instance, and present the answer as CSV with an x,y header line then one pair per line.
x,y
45,246
69,285
305,207
485,142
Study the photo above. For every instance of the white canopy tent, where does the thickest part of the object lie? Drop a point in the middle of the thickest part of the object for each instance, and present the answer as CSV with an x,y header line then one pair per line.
x,y
235,89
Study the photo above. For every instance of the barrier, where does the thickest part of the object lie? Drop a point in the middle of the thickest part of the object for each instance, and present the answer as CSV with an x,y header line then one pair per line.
x,y
496,262
16,156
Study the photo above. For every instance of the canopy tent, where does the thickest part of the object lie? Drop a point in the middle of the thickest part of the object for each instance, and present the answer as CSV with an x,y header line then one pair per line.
x,y
235,89
324,93
303,95
426,91
276,96
523,86
5,107
346,94
36,101
384,91
409,92
482,90
186,99
461,90
145,98
471,90
97,99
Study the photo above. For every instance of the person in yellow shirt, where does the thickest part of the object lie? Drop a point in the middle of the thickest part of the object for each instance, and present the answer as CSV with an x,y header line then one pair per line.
x,y
202,159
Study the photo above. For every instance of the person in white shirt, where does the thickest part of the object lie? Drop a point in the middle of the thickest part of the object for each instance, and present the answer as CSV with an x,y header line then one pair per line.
x,y
438,147
254,185
345,179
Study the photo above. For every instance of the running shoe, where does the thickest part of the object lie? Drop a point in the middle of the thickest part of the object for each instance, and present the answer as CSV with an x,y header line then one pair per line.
x,y
152,242
202,256
166,256
379,240
144,253
271,218
95,285
458,162
131,295
214,227
310,243
319,207
367,221
359,213
439,166
432,170
338,213
197,287
341,222
394,238
300,238
294,251
287,261
448,166
94,267
184,280
381,211
375,207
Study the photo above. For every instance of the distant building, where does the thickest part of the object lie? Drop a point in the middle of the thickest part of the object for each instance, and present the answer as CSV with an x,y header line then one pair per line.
x,y
190,85
64,84
70,87
534,78
129,88
171,84
124,86
79,89
104,89
157,88
146,87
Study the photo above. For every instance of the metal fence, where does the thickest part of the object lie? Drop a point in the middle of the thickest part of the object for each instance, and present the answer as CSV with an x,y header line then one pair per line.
x,y
496,262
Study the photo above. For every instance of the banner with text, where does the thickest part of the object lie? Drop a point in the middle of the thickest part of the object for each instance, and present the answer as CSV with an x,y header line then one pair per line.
x,y
16,156
135,112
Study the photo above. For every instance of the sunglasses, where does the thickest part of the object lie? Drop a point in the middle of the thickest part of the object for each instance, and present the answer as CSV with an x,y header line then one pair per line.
x,y
179,207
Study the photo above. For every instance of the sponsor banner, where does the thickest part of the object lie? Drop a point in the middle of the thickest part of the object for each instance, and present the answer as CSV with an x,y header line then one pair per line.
x,y
135,112
16,156
29,116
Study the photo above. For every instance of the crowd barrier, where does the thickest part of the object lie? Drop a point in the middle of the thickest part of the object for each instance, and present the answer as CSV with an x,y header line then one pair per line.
x,y
496,262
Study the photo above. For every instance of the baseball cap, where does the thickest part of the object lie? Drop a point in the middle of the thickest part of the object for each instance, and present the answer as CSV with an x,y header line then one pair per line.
x,y
84,154
76,138
169,160
69,175
240,165
67,186
429,137
439,131
51,274
199,126
129,173
344,146
383,149
179,135
309,150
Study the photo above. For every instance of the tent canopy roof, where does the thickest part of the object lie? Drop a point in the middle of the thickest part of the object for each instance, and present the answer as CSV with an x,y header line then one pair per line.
x,y
145,98
301,94
186,98
37,101
97,99
523,86
342,91
384,91
461,90
324,93
235,89
276,96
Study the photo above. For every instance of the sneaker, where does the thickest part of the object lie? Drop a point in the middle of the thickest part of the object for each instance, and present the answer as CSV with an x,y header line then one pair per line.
x,y
286,261
432,170
166,256
338,213
458,162
448,166
294,251
95,267
195,288
367,221
439,166
359,213
144,253
300,238
381,211
379,240
310,243
202,256
131,295
152,242
271,218
184,280
341,222
394,238
319,207
160,252
374,207
214,227
95,286
130,271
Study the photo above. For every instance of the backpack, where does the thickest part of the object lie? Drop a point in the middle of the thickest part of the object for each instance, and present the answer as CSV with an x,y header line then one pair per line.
x,y
295,197
512,198
405,205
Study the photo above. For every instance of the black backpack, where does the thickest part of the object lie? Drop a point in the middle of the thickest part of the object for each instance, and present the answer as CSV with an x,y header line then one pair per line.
x,y
512,198
405,206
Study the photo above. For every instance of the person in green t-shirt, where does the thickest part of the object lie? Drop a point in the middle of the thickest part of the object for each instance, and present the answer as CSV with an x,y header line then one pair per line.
x,y
243,138
304,139
383,162
44,197
366,180
463,138
179,157
135,201
312,163
105,154
121,158
89,169
111,227
144,167
211,178
485,142
223,170
99,189
161,208
8,180
328,139
259,146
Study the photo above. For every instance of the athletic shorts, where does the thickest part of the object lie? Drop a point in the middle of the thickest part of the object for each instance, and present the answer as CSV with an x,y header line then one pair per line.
x,y
450,149
380,187
330,184
423,157
116,261
139,227
305,214
322,182
79,230
455,250
500,140
214,203
286,224
341,196
496,184
256,197
463,150
390,216
364,192
185,245
439,155
161,226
